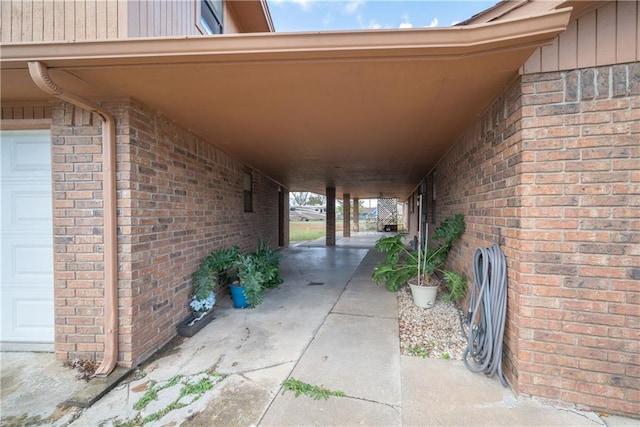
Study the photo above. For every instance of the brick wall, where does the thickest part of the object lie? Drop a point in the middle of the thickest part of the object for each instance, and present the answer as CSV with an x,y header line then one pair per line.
x,y
77,232
580,289
551,172
179,198
480,178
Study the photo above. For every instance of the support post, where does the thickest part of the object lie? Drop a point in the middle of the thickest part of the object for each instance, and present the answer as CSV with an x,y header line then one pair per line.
x,y
346,215
331,216
283,218
356,214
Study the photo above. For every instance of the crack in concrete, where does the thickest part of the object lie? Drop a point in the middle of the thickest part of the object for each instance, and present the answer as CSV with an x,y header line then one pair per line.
x,y
363,315
275,365
214,367
244,338
397,408
591,416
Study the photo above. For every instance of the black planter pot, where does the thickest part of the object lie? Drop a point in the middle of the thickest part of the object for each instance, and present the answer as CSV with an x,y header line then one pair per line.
x,y
187,329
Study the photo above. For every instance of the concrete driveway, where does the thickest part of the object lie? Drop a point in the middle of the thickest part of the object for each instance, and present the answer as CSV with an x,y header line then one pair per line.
x,y
327,326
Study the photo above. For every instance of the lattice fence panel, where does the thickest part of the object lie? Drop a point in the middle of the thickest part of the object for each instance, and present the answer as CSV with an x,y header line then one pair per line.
x,y
387,214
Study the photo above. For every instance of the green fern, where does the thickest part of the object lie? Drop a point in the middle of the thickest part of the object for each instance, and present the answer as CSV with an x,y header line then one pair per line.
x,y
400,263
456,284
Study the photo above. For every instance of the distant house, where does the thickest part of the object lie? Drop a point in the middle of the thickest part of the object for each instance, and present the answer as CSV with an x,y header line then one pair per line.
x,y
136,139
318,209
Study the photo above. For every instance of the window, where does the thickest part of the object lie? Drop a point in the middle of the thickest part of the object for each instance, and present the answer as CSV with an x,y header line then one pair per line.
x,y
211,16
247,187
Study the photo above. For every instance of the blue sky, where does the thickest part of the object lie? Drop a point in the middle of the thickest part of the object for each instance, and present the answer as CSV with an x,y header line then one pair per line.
x,y
331,15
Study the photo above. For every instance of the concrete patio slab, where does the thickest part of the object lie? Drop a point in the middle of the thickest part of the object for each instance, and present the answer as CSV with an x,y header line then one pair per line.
x,y
356,355
328,325
439,392
28,382
355,352
367,299
288,410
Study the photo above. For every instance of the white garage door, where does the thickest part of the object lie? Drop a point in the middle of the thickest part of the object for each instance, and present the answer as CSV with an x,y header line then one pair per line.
x,y
26,239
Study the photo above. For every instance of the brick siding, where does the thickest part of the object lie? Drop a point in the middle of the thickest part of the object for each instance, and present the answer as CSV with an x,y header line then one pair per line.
x,y
480,178
179,198
551,172
579,299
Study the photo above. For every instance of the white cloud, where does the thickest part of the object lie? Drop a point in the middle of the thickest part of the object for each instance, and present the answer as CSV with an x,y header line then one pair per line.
x,y
372,25
405,22
434,23
352,6
327,19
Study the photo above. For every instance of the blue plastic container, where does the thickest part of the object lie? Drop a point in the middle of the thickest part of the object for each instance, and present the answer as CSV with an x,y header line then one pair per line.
x,y
238,296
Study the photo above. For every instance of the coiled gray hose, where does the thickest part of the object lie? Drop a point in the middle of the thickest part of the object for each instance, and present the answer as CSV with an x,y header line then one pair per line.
x,y
487,311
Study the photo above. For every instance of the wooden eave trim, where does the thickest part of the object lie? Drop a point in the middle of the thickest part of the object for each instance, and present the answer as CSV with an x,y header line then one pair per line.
x,y
494,12
233,12
504,8
258,8
446,42
267,15
581,8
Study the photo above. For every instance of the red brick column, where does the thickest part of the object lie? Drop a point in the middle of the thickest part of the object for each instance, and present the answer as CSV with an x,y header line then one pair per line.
x,y
356,214
346,215
77,233
331,216
550,173
283,218
579,300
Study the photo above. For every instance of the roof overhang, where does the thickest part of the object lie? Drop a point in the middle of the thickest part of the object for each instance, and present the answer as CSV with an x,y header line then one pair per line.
x,y
369,112
253,14
513,9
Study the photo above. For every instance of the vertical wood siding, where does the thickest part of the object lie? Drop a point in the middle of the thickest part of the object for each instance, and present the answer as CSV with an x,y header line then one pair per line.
x,y
605,36
157,18
76,20
55,20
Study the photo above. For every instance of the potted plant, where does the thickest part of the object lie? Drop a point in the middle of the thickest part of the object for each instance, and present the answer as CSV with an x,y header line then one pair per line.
x,y
254,273
248,288
269,260
420,267
213,271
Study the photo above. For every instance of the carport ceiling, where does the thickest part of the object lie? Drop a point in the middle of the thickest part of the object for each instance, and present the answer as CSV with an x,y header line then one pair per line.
x,y
367,112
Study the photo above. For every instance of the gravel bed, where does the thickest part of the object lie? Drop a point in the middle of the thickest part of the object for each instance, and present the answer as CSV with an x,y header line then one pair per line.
x,y
436,332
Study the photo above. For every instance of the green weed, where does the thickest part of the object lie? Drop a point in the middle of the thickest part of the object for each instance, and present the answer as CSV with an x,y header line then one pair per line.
x,y
173,381
416,350
198,388
149,396
313,391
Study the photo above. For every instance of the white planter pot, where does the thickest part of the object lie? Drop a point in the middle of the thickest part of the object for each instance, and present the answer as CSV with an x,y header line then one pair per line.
x,y
424,296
